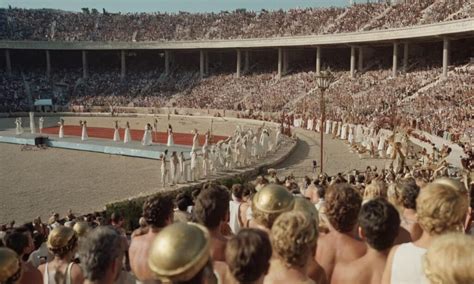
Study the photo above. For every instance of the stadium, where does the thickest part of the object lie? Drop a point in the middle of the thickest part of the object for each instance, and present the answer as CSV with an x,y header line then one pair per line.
x,y
97,107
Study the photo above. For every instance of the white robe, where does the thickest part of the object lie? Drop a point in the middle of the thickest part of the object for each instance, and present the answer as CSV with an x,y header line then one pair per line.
x,y
61,131
116,135
84,135
344,132
195,142
146,140
328,127
170,139
19,127
41,124
127,137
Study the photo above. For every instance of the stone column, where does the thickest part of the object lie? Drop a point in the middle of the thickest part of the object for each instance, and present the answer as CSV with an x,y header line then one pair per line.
x,y
445,56
405,57
239,60
318,60
48,64
395,60
206,60
123,64
8,62
201,63
85,67
167,62
361,59
280,62
246,61
353,61
285,61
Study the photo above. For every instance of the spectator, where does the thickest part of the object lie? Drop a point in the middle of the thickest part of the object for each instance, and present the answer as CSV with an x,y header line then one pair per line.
x,y
10,266
343,203
441,209
379,223
211,209
409,194
248,255
101,255
158,213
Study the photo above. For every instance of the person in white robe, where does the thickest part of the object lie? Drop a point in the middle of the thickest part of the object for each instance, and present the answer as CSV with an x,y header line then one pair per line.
x,y
350,137
328,126
381,146
61,128
41,124
173,168
339,129
194,165
84,135
19,126
264,142
344,131
116,132
182,174
170,136
155,129
146,140
195,140
164,167
205,161
32,122
127,137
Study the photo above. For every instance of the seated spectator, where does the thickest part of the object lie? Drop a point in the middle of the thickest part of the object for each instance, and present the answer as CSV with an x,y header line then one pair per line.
x,y
21,242
62,242
101,255
339,245
379,223
184,260
158,213
267,204
410,191
441,209
10,266
211,209
248,256
449,259
294,236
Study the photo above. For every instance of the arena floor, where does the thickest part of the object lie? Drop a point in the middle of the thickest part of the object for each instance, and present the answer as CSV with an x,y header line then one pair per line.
x,y
37,182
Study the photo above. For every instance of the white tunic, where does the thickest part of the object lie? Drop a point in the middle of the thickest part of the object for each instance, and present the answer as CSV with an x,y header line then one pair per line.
x,y
116,135
407,267
84,136
61,131
127,137
146,140
170,138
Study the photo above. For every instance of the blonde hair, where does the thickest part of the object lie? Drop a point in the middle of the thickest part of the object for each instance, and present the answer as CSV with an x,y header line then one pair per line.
x,y
394,195
441,208
294,236
375,189
449,259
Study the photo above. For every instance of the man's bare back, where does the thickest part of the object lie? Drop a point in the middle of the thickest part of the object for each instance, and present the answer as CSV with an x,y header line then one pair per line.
x,y
365,270
139,251
334,248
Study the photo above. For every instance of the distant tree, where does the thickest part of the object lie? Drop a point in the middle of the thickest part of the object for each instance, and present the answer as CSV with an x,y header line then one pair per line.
x,y
85,11
94,11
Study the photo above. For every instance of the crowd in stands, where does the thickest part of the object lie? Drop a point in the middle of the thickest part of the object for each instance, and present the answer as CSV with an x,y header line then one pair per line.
x,y
91,25
363,227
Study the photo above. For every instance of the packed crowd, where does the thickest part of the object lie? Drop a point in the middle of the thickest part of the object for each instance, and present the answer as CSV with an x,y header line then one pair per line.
x,y
91,25
363,227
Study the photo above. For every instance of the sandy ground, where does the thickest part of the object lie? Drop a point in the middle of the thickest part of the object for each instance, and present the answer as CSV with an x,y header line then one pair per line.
x,y
35,183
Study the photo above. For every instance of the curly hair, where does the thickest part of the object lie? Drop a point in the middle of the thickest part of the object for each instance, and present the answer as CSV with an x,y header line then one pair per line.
x,y
157,210
248,255
441,209
410,191
294,236
380,222
264,219
212,206
343,204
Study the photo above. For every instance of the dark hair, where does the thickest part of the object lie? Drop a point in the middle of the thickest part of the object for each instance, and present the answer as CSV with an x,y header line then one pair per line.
x,y
17,240
157,210
237,190
410,191
116,217
380,222
211,206
321,191
183,201
98,250
248,255
342,206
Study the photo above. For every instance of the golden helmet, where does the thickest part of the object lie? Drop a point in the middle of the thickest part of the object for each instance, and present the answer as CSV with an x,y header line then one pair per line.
x,y
62,239
10,268
304,205
81,228
273,198
179,251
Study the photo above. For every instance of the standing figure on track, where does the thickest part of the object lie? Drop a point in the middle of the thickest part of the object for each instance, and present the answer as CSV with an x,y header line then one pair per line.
x,y
206,141
173,168
41,124
205,161
19,126
264,142
116,132
84,135
194,169
170,136
164,166
182,174
61,128
195,141
127,137
155,130
32,122
147,140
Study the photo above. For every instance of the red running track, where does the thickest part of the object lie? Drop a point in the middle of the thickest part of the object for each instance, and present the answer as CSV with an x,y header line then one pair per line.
x,y
137,135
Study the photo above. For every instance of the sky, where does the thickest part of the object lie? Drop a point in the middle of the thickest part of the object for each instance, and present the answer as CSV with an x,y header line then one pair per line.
x,y
171,5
